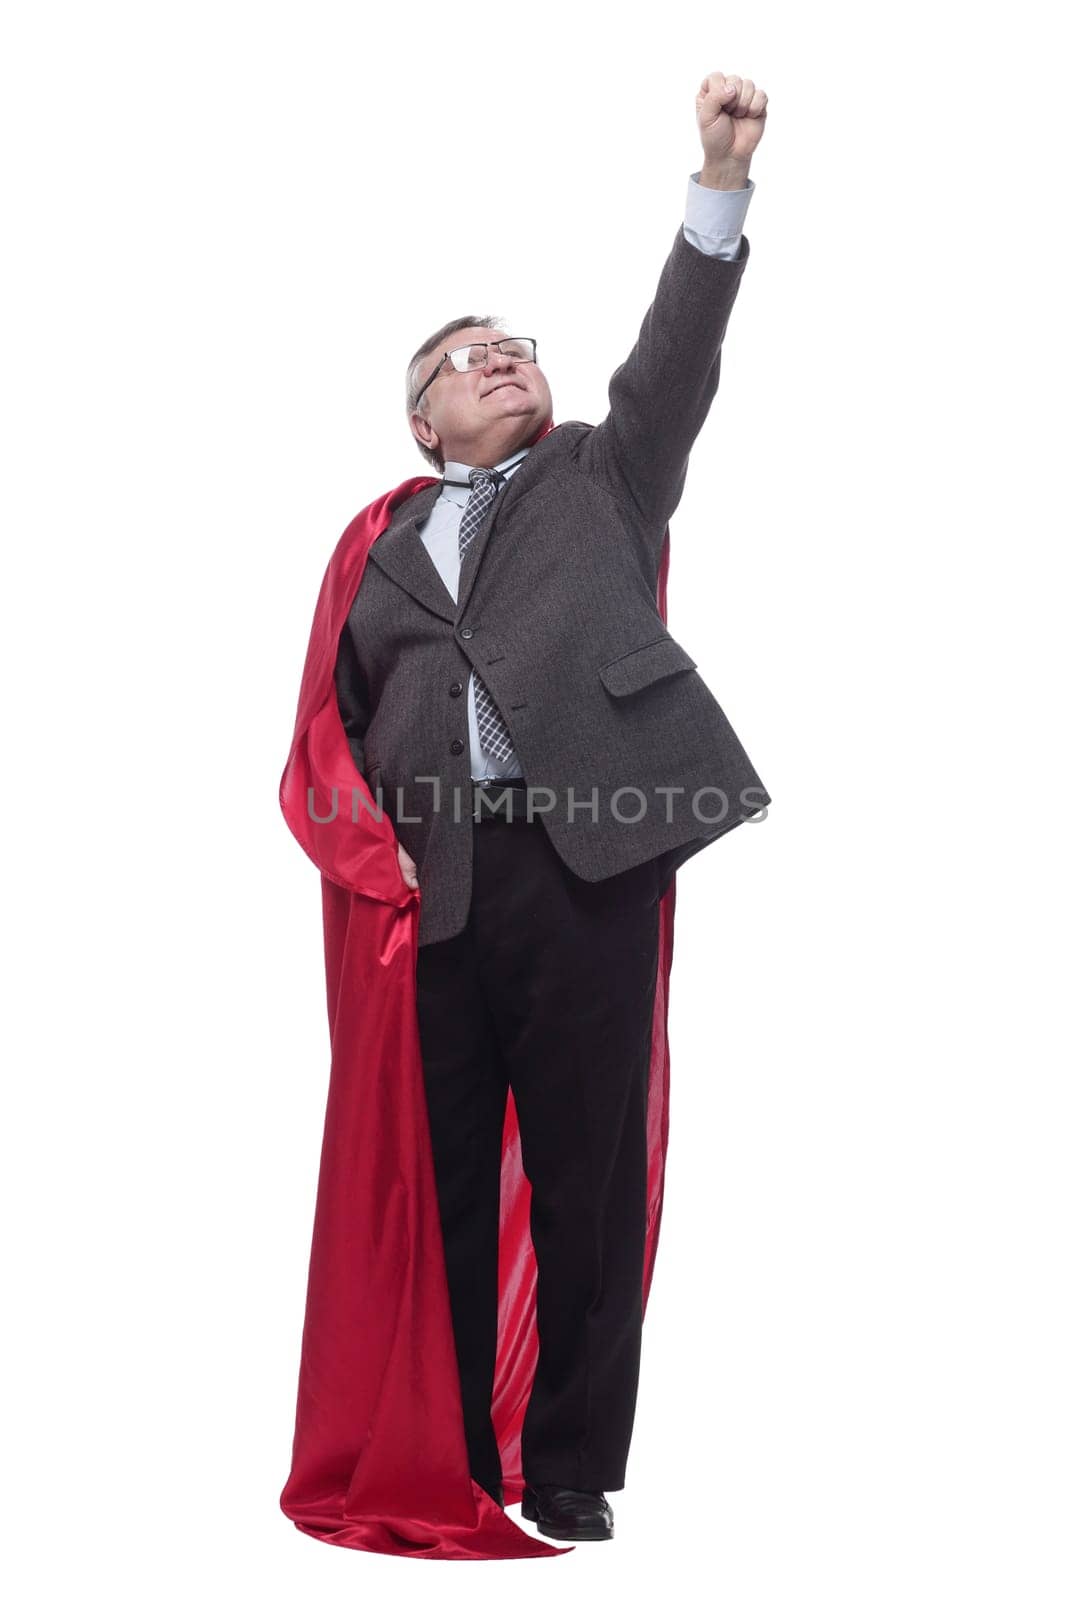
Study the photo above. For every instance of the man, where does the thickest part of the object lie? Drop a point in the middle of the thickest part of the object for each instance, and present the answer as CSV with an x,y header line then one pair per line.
x,y
546,751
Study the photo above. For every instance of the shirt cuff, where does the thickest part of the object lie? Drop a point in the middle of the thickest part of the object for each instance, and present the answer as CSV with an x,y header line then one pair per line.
x,y
715,218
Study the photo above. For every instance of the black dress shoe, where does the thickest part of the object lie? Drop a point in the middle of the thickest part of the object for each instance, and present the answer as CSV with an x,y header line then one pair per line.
x,y
567,1513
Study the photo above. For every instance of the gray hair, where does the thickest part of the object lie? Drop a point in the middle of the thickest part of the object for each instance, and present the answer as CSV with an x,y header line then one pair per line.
x,y
434,457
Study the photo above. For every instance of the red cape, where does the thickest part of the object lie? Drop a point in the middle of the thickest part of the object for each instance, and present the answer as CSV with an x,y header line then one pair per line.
x,y
379,1454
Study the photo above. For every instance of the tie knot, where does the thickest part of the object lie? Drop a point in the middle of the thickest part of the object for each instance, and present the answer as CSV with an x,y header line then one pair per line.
x,y
486,475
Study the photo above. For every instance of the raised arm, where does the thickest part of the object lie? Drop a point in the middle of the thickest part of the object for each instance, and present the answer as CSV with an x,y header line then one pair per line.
x,y
660,397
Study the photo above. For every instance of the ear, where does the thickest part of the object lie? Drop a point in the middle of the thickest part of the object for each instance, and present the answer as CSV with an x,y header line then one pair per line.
x,y
423,430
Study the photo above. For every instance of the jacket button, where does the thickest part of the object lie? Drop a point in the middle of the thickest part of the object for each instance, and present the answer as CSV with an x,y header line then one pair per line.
x,y
466,633
456,747
455,689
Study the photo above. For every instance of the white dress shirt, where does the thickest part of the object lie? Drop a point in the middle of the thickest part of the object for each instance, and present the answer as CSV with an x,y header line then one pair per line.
x,y
714,221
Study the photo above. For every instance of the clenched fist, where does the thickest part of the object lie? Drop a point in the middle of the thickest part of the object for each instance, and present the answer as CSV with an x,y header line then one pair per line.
x,y
731,117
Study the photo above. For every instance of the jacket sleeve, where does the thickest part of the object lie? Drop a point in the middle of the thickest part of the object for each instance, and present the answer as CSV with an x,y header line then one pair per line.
x,y
660,397
352,698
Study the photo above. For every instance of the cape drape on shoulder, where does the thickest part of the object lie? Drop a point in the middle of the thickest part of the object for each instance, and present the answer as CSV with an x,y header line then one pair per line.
x,y
379,1457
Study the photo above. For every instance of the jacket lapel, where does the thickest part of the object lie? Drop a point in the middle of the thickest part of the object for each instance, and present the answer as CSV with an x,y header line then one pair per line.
x,y
400,552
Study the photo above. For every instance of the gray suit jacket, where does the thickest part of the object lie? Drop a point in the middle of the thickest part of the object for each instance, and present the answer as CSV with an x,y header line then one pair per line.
x,y
557,611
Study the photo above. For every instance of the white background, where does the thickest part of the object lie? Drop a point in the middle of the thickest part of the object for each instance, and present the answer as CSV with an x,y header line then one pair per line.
x,y
228,227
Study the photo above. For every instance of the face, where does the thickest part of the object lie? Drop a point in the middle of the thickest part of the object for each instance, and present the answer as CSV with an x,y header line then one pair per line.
x,y
484,415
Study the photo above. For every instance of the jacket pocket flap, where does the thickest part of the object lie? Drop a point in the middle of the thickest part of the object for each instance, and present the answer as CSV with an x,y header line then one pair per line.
x,y
645,665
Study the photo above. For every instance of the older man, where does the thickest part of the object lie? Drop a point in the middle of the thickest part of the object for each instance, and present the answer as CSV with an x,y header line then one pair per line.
x,y
546,751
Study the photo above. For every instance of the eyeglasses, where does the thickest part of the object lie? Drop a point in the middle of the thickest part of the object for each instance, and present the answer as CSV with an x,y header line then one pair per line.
x,y
477,355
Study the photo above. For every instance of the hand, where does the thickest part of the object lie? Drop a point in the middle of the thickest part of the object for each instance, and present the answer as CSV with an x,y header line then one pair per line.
x,y
731,117
407,867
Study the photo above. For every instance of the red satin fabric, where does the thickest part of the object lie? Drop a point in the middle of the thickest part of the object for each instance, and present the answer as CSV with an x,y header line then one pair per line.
x,y
379,1456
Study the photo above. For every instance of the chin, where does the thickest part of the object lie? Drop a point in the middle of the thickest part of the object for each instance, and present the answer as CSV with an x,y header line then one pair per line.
x,y
531,424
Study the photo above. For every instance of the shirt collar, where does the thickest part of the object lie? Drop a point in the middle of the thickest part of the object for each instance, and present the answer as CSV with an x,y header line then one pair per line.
x,y
459,469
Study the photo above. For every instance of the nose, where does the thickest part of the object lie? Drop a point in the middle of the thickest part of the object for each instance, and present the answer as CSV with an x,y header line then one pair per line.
x,y
496,365
496,358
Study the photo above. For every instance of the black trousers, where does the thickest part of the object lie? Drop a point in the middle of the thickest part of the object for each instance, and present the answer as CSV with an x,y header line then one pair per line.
x,y
550,988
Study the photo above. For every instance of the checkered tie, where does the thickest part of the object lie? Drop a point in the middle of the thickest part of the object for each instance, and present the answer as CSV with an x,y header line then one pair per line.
x,y
492,731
